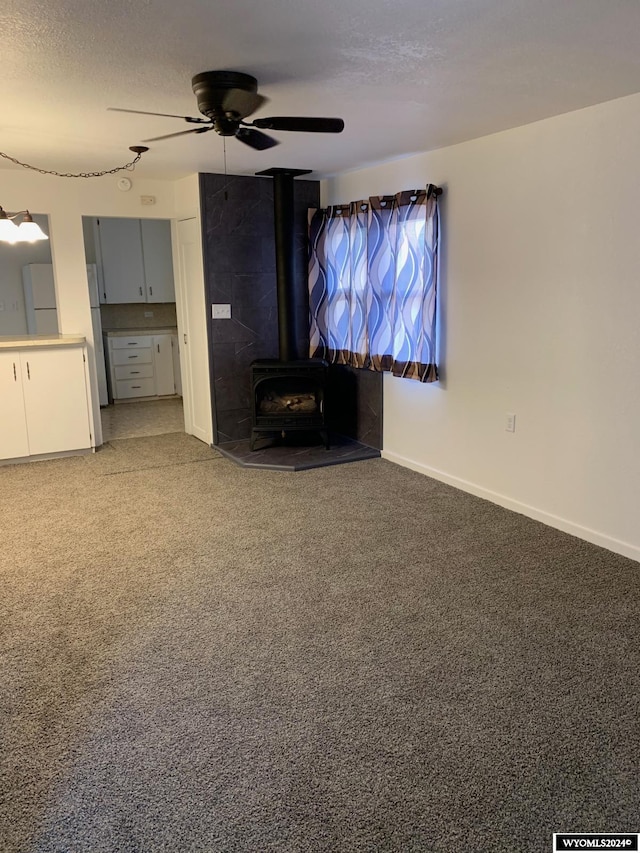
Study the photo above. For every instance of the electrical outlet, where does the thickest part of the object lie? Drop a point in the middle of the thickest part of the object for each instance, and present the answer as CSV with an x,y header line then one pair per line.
x,y
510,423
221,311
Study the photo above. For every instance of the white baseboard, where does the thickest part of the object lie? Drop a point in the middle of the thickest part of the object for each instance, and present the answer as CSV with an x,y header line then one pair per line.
x,y
586,533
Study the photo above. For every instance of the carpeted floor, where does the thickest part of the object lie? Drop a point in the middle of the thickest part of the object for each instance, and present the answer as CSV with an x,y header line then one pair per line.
x,y
200,657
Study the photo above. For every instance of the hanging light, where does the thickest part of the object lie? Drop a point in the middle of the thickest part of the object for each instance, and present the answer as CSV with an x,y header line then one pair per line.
x,y
27,232
8,228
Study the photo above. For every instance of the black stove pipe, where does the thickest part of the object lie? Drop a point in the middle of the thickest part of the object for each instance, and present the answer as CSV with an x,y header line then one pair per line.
x,y
285,257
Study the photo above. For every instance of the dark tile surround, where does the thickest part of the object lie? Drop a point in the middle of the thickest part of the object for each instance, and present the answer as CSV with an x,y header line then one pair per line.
x,y
239,263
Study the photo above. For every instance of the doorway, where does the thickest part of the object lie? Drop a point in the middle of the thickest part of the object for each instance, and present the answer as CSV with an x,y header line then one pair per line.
x,y
142,418
133,298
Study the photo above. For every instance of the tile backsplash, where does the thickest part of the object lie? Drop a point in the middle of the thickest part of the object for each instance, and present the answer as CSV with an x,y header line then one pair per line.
x,y
132,316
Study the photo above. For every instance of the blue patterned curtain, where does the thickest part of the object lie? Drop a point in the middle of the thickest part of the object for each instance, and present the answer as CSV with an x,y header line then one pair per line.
x,y
373,283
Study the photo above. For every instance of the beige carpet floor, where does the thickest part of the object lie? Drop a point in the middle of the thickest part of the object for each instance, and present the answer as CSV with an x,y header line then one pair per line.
x,y
199,657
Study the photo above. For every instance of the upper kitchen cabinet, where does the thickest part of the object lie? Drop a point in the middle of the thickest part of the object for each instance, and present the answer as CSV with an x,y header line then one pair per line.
x,y
135,259
119,254
158,260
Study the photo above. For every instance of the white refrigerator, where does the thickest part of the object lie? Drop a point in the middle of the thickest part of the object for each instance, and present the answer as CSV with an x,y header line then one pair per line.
x,y
42,314
40,299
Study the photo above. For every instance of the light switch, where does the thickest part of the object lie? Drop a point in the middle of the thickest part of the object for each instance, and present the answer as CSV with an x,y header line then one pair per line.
x,y
221,311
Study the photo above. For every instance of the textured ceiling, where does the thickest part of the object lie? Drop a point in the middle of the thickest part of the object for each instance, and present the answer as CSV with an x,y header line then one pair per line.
x,y
406,75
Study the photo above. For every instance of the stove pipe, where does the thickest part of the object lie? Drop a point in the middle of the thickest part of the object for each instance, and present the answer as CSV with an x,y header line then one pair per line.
x,y
283,209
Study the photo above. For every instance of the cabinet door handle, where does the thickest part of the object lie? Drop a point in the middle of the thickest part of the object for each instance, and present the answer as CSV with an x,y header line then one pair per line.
x,y
158,347
135,372
150,291
15,375
140,289
136,386
28,371
132,343
132,356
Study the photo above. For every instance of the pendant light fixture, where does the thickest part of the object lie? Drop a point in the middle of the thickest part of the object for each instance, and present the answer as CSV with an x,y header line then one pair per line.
x,y
27,232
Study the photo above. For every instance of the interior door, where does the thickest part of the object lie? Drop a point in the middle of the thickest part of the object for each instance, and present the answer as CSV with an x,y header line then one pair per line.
x,y
194,350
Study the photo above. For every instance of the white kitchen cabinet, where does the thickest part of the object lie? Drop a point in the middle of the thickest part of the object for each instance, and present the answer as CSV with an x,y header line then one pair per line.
x,y
13,423
135,259
45,401
158,260
177,375
141,365
121,258
55,399
163,365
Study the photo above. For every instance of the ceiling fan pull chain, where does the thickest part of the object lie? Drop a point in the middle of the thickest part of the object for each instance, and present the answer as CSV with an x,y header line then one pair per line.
x,y
224,154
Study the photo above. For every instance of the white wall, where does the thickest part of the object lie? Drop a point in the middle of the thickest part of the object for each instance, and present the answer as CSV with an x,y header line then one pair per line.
x,y
66,200
539,314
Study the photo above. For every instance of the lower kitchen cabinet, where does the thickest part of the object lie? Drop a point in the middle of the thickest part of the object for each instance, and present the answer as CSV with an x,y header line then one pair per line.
x,y
45,401
142,366
163,365
177,375
14,441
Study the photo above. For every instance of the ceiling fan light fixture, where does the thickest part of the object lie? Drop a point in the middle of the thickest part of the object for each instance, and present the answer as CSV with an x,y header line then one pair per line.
x,y
226,98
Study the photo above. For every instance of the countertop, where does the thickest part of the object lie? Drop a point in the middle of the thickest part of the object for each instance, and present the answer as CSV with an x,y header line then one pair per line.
x,y
152,330
24,341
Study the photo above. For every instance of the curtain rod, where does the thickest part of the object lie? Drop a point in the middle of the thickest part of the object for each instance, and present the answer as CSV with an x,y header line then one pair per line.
x,y
432,189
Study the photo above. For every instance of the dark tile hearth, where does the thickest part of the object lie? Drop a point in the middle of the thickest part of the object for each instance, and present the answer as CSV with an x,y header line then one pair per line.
x,y
275,456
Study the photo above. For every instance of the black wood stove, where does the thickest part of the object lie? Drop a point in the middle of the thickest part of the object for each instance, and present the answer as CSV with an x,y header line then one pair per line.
x,y
288,396
288,393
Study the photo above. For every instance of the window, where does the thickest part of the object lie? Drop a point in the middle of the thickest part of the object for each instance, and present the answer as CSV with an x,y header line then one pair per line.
x,y
373,283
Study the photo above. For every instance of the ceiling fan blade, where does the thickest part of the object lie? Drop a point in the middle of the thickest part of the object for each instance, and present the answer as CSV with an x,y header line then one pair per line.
x,y
301,123
255,139
180,133
241,103
166,115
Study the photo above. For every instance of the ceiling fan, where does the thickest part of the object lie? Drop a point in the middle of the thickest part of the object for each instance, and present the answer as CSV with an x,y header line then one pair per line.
x,y
226,98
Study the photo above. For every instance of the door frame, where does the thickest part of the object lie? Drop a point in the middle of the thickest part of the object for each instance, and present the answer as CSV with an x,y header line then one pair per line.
x,y
192,329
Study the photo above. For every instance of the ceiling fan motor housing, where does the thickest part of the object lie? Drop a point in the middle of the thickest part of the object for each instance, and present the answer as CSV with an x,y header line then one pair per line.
x,y
220,92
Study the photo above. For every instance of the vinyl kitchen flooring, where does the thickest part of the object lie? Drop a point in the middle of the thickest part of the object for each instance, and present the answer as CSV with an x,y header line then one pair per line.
x,y
148,417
